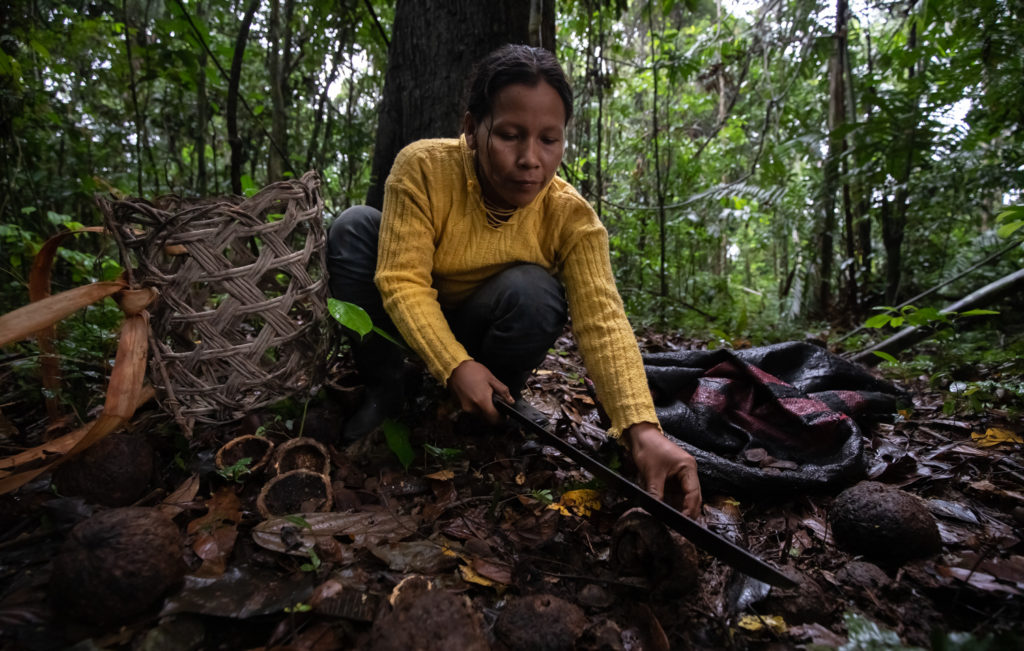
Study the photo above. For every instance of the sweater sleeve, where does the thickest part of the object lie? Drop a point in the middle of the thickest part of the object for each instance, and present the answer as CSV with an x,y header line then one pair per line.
x,y
404,265
605,337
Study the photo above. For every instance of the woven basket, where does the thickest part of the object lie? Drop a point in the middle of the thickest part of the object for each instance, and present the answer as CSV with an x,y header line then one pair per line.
x,y
240,322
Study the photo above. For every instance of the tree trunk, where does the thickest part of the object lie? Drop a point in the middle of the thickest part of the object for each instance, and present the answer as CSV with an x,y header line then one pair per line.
x,y
659,189
277,65
237,155
894,218
202,109
830,182
434,44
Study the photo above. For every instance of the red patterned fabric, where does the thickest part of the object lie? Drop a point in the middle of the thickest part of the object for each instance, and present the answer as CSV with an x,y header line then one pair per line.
x,y
777,417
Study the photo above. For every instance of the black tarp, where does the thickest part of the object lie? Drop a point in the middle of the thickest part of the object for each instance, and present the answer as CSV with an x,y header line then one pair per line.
x,y
770,419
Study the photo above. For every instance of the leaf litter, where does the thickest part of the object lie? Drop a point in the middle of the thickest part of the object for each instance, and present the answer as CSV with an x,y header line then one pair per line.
x,y
489,515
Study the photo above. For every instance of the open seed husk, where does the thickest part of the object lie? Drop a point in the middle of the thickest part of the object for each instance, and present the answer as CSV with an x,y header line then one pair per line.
x,y
258,448
302,453
296,491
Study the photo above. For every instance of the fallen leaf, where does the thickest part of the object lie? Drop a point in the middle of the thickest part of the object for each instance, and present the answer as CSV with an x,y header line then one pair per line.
x,y
816,634
470,575
361,528
533,531
419,556
987,488
241,592
775,623
441,475
493,570
983,581
580,502
174,503
995,436
216,531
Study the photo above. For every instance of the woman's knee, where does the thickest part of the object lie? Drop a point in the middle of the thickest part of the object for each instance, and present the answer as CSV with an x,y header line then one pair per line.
x,y
355,230
533,299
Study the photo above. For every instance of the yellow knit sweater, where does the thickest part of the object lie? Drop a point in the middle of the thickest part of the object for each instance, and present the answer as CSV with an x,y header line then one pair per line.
x,y
436,247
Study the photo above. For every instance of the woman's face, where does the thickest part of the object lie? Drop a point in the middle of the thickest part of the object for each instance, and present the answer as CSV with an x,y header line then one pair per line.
x,y
520,144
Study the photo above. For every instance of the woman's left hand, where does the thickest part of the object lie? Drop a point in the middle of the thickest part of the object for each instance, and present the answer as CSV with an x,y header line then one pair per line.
x,y
665,466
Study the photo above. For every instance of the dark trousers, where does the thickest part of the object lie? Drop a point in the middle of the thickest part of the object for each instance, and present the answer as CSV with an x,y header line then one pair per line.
x,y
507,325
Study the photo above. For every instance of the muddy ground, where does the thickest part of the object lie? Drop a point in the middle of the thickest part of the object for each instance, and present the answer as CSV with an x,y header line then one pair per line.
x,y
490,540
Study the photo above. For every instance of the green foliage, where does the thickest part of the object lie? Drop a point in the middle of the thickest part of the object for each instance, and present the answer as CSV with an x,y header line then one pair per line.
x,y
719,233
1012,219
908,315
445,455
865,635
397,436
299,521
544,496
355,318
314,562
237,471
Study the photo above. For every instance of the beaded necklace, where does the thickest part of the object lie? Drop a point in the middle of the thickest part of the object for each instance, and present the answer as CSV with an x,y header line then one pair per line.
x,y
496,216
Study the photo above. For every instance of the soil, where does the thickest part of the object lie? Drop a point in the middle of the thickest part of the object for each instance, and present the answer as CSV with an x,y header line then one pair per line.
x,y
462,549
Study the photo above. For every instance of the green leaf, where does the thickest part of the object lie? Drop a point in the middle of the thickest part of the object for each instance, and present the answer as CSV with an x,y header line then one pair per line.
x,y
878,321
384,334
1013,212
248,187
925,316
1013,218
1009,228
313,564
298,521
351,316
447,454
978,312
886,356
864,634
397,436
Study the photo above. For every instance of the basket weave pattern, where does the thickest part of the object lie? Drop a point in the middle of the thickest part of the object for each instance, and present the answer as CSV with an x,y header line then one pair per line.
x,y
240,322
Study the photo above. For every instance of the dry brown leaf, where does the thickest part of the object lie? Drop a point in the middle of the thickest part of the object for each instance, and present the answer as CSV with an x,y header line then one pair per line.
x,y
29,319
298,534
417,556
216,531
441,475
38,289
494,570
174,503
58,446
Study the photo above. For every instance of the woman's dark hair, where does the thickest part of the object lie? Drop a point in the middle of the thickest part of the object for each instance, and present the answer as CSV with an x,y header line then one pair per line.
x,y
514,64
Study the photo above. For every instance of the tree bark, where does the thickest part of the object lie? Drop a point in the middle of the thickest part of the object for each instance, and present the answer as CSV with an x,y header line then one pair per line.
x,y
830,182
202,113
237,155
659,189
278,50
894,218
434,44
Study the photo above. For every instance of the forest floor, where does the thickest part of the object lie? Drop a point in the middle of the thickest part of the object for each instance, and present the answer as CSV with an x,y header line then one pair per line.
x,y
490,540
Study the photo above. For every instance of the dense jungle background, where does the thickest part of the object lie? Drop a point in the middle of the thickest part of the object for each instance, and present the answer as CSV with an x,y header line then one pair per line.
x,y
764,169
767,171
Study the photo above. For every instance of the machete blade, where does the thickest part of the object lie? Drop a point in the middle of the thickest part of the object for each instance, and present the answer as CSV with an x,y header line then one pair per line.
x,y
714,544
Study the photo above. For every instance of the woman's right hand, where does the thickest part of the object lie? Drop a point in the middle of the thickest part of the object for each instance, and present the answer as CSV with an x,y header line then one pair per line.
x,y
474,385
